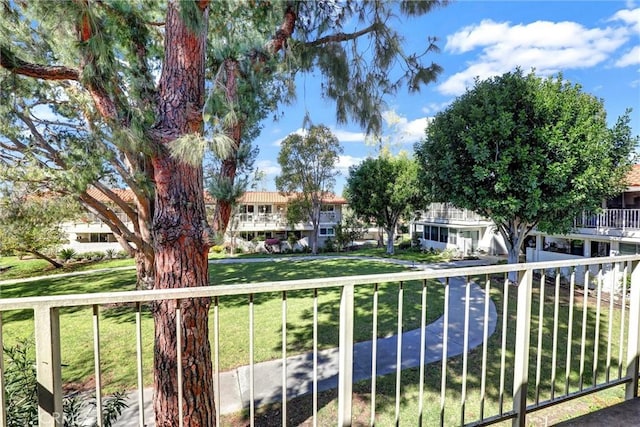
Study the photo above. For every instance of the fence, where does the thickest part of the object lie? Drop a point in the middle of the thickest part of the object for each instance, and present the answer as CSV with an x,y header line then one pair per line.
x,y
450,347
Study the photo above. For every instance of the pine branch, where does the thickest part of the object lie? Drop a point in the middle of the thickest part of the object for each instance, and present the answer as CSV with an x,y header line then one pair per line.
x,y
11,62
341,37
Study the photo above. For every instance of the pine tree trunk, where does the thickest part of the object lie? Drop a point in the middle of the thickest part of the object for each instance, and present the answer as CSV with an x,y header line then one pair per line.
x,y
145,272
180,233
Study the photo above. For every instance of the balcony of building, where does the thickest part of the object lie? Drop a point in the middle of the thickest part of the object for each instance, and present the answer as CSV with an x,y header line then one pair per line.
x,y
495,351
446,213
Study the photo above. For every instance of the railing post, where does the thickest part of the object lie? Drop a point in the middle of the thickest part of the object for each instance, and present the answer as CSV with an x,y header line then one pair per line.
x,y
521,362
48,366
345,355
633,340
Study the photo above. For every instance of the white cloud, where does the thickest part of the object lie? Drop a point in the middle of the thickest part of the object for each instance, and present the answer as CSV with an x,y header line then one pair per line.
x,y
630,17
268,167
546,46
278,142
347,136
432,108
632,57
344,162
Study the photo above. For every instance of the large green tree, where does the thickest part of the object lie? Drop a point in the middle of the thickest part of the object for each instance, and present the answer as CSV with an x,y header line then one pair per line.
x,y
96,93
308,174
31,222
384,190
526,152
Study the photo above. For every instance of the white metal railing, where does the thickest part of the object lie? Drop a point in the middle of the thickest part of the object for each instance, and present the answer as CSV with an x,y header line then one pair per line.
x,y
610,218
446,212
479,310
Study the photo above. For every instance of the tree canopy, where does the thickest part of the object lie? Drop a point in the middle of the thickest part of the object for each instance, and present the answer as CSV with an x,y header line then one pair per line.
x,y
31,223
308,173
384,190
526,152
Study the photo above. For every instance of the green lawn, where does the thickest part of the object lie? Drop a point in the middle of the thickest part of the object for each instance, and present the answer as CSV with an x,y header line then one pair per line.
x,y
118,342
118,332
386,386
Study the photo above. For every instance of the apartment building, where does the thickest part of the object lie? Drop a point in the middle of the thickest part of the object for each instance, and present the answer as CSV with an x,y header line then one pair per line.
x,y
259,213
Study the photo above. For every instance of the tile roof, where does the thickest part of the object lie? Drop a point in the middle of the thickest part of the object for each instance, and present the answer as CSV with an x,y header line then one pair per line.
x,y
250,197
633,177
276,198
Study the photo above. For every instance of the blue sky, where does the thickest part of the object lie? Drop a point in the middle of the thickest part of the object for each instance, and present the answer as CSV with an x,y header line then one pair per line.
x,y
593,43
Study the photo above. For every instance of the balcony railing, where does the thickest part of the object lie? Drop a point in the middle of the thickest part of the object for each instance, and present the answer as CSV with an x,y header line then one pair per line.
x,y
538,344
444,212
623,219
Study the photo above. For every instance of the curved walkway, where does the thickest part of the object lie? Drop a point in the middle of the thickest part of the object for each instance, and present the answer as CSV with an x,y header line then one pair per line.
x,y
234,384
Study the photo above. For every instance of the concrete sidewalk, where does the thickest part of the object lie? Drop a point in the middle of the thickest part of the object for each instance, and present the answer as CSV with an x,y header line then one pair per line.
x,y
235,384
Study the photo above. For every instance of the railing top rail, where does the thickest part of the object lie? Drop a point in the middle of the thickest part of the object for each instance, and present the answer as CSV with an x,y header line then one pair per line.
x,y
289,285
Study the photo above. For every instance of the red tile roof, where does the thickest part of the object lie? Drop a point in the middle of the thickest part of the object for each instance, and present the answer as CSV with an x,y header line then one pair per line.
x,y
250,197
274,197
633,177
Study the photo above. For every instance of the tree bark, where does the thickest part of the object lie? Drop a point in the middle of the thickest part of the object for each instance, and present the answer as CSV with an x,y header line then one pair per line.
x,y
180,232
50,260
390,234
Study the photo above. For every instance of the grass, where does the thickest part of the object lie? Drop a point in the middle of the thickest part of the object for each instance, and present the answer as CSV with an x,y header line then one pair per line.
x,y
16,268
118,345
300,409
117,323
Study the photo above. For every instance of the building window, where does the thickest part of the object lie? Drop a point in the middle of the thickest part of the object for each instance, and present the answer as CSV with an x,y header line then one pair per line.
x,y
434,234
246,208
444,234
328,208
327,232
264,209
628,249
453,236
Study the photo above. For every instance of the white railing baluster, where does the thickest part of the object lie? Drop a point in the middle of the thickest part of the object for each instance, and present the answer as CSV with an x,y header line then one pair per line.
x,y
374,354
554,351
521,359
445,342
583,340
612,297
423,343
179,362
48,366
284,358
623,311
3,402
596,334
503,352
465,346
572,288
485,339
96,361
399,351
543,279
315,357
345,370
633,342
216,356
139,371
252,403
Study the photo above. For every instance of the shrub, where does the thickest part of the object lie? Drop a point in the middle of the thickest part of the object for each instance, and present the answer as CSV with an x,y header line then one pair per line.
x,y
217,249
329,245
405,244
21,391
110,253
292,239
67,254
272,242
